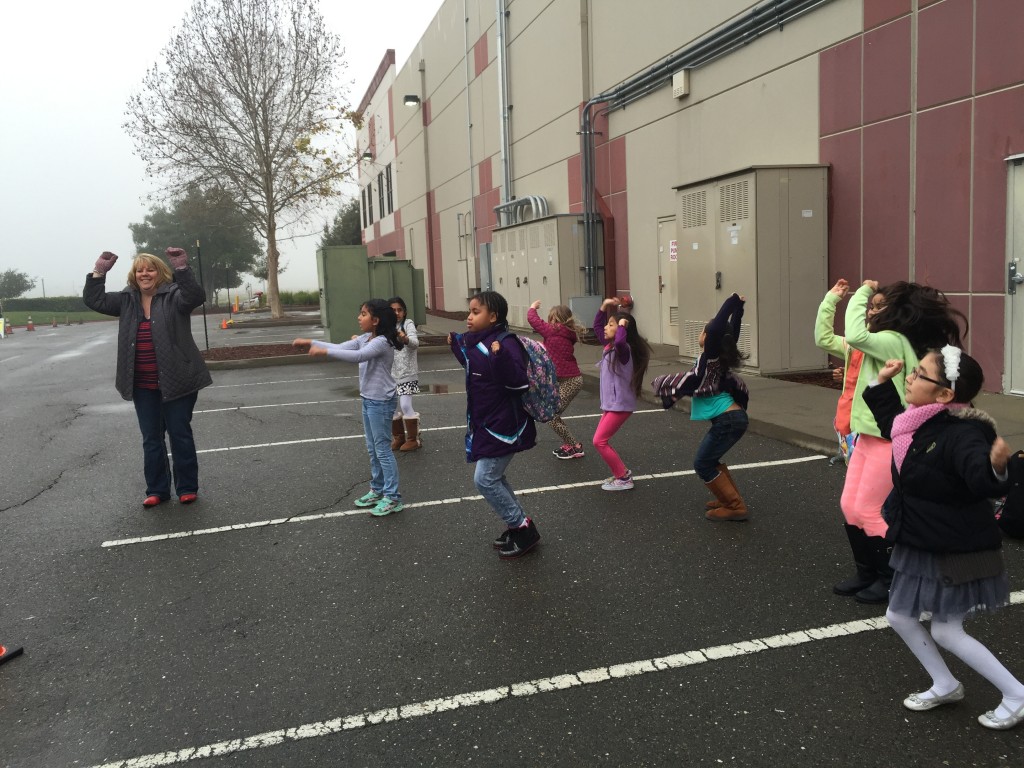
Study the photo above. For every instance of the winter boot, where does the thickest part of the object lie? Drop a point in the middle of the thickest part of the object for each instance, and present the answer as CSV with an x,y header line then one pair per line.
x,y
878,592
731,505
715,503
397,434
412,434
863,560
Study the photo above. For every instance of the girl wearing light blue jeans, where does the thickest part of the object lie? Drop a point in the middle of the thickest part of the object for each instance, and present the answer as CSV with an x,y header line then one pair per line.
x,y
374,350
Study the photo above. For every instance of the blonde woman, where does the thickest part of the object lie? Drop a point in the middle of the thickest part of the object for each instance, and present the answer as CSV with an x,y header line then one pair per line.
x,y
159,367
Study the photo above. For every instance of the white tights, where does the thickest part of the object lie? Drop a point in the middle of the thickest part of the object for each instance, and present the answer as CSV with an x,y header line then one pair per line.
x,y
951,636
405,407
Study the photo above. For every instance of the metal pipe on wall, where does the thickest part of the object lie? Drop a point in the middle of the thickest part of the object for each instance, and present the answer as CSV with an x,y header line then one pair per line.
x,y
506,146
469,125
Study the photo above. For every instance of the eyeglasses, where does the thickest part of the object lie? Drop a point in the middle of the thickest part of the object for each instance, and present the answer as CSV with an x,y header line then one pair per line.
x,y
916,374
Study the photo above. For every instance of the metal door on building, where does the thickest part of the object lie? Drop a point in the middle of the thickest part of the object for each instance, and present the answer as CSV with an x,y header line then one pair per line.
x,y
668,280
1015,278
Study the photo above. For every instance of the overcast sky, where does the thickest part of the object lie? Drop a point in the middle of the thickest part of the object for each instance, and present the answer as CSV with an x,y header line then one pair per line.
x,y
69,181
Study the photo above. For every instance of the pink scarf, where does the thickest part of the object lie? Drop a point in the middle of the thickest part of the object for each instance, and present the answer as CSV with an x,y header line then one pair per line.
x,y
906,424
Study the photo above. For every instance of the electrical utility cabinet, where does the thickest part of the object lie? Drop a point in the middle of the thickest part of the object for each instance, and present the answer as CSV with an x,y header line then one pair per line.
x,y
348,278
541,259
761,233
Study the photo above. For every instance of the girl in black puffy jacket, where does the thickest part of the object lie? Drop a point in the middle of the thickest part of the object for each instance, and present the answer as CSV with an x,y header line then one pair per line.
x,y
947,558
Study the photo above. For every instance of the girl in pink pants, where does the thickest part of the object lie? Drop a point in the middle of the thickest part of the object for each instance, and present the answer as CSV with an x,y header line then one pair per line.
x,y
623,365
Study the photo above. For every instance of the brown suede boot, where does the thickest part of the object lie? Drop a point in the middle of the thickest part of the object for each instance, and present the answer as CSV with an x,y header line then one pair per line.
x,y
397,434
412,434
715,503
732,505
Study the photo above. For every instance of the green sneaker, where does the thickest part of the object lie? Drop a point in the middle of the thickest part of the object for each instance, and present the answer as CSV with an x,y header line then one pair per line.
x,y
369,500
386,506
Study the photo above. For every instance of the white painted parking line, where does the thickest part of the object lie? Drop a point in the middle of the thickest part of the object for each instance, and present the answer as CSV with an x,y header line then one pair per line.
x,y
315,402
433,503
316,378
14,357
360,436
562,682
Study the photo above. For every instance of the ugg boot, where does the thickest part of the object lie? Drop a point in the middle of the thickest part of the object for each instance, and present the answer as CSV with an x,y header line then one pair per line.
x,y
863,561
731,503
715,503
412,434
878,592
397,434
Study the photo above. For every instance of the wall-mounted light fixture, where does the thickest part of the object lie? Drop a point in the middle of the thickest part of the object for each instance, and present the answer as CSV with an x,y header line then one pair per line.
x,y
367,155
411,100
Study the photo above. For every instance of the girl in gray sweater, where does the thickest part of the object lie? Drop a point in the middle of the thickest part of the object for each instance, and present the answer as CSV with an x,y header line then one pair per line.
x,y
374,350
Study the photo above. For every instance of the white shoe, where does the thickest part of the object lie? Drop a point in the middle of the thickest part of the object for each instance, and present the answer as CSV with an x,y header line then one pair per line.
x,y
918,704
996,723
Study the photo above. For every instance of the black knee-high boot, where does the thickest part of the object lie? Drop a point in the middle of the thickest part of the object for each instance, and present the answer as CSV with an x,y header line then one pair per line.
x,y
863,559
879,591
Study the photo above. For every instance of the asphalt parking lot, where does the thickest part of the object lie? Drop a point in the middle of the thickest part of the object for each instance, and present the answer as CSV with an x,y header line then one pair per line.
x,y
274,624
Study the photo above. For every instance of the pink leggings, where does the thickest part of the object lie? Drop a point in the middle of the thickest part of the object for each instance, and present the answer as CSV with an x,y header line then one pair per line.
x,y
868,482
609,424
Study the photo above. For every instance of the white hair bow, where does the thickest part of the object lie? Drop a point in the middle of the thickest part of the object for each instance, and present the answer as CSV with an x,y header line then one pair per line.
x,y
951,362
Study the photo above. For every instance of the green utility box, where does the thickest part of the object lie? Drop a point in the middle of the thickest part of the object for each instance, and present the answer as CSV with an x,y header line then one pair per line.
x,y
348,278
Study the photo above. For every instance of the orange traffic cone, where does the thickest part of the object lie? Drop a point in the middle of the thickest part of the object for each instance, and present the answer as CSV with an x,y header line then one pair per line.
x,y
29,325
10,328
8,653
223,323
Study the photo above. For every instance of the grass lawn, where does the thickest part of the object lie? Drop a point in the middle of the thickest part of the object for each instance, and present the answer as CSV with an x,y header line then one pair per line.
x,y
20,317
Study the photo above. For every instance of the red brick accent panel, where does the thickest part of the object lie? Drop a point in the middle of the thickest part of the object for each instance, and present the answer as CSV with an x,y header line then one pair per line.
x,y
480,57
880,11
944,50
839,83
998,50
843,152
943,210
887,71
887,200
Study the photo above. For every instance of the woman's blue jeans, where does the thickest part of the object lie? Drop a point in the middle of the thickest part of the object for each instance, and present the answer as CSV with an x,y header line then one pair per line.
x,y
377,427
726,429
173,418
489,477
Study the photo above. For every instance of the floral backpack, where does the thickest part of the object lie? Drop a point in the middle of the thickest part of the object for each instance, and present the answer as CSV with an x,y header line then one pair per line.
x,y
540,401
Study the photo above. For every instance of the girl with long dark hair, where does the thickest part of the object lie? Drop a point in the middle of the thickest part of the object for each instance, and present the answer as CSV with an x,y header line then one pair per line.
x,y
374,350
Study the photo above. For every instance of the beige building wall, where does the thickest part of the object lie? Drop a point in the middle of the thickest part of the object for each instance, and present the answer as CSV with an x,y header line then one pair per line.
x,y
756,105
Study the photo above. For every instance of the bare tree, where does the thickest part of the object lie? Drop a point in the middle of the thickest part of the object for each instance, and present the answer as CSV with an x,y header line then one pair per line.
x,y
247,100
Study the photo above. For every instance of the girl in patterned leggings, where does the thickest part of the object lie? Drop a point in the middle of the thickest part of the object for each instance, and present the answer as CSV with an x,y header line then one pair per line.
x,y
560,334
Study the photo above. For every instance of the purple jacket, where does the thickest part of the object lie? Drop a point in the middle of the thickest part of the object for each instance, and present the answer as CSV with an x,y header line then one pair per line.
x,y
559,341
616,366
496,425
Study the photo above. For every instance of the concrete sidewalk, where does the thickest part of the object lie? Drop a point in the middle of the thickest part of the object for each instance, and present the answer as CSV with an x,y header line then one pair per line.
x,y
800,414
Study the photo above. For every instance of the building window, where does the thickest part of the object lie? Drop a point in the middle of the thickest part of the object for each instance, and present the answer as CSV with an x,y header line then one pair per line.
x,y
380,193
369,204
388,192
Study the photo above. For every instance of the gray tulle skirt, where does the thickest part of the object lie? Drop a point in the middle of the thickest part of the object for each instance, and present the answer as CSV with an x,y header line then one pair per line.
x,y
917,589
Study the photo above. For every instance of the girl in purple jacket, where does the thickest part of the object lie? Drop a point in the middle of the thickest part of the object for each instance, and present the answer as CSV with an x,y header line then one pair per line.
x,y
497,427
623,365
560,334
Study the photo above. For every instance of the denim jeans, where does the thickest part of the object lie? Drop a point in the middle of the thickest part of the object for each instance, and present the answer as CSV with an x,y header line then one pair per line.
x,y
489,477
377,427
173,418
726,429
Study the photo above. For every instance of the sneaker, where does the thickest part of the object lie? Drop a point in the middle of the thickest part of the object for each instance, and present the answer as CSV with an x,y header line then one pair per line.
x,y
569,452
386,506
503,539
618,483
520,541
369,500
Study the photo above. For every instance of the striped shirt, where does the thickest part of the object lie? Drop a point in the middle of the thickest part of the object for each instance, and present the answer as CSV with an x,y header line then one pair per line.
x,y
145,358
